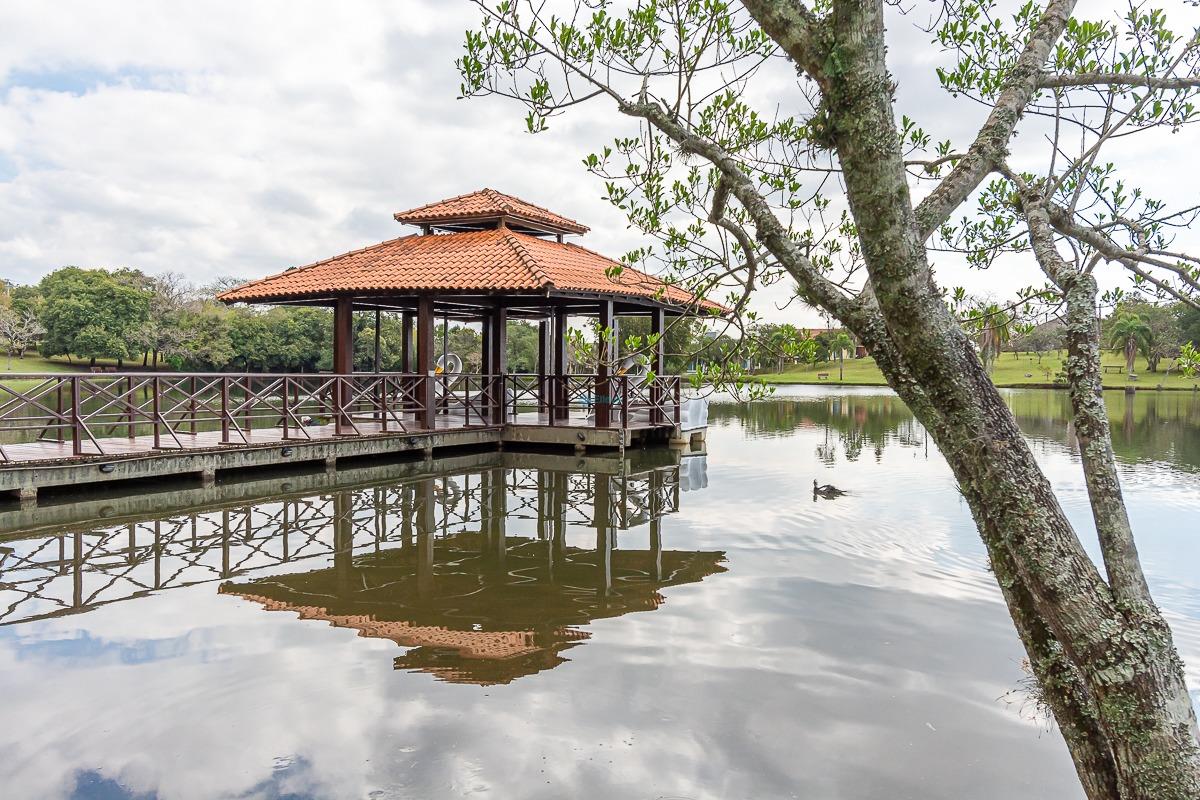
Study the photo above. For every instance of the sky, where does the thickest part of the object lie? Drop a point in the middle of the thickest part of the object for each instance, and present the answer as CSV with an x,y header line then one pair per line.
x,y
238,139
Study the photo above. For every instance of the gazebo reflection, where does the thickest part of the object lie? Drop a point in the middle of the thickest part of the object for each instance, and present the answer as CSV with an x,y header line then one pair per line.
x,y
476,603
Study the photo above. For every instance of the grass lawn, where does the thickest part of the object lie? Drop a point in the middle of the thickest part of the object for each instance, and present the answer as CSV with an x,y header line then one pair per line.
x,y
36,364
32,362
1011,369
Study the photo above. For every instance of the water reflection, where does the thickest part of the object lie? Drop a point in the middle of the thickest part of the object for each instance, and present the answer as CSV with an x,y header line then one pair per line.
x,y
856,648
469,567
1147,426
478,605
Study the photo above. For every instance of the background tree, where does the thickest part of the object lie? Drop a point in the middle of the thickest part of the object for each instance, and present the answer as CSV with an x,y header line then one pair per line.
x,y
19,330
1162,336
1128,335
991,326
92,313
1040,339
733,196
840,344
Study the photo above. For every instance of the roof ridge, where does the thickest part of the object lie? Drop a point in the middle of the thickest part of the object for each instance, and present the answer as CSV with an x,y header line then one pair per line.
x,y
499,198
527,259
291,270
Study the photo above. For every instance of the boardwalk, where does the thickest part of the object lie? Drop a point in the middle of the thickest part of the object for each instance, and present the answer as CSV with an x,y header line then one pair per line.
x,y
146,425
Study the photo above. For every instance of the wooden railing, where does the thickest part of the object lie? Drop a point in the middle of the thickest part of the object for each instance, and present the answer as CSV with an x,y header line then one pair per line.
x,y
85,410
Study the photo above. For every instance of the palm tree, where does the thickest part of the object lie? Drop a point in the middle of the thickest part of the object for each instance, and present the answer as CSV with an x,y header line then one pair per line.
x,y
993,330
841,343
1128,333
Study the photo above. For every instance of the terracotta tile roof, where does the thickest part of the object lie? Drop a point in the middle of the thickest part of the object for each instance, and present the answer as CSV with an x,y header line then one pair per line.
x,y
488,204
472,262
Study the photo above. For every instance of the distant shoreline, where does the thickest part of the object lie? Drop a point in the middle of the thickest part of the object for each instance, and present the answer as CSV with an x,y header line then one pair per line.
x,y
1144,387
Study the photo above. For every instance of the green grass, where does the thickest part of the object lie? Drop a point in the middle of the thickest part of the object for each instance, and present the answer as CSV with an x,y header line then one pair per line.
x,y
32,362
1011,369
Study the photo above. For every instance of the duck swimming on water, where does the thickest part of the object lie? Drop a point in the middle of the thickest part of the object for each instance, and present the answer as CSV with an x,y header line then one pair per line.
x,y
828,491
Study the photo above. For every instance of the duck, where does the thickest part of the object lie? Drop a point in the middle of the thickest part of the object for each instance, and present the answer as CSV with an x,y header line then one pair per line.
x,y
828,491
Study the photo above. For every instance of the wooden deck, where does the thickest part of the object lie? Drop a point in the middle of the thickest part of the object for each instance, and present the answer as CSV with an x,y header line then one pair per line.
x,y
123,446
68,431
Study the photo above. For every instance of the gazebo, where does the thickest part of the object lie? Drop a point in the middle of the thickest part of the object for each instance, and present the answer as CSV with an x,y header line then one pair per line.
x,y
489,257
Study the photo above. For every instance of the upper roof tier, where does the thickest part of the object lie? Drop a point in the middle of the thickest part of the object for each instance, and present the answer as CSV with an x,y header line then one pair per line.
x,y
487,208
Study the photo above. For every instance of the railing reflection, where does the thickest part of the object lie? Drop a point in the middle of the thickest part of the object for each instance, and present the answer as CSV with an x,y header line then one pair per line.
x,y
486,558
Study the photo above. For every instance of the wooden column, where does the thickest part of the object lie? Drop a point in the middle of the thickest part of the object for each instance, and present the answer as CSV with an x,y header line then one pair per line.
x,y
343,336
378,323
543,365
485,337
603,393
559,367
406,342
602,519
424,364
498,358
343,360
425,524
343,540
658,363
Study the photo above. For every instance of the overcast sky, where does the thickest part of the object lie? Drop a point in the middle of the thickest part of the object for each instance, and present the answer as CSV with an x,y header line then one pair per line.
x,y
237,139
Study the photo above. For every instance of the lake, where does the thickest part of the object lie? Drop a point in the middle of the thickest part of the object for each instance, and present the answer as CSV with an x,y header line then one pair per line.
x,y
527,626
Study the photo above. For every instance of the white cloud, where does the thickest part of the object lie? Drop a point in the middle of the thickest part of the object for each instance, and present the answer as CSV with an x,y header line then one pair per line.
x,y
237,139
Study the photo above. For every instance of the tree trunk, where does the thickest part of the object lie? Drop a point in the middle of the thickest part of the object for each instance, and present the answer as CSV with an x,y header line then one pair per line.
x,y
1130,671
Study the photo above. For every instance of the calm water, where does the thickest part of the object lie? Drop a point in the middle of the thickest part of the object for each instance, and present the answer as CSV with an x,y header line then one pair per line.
x,y
525,626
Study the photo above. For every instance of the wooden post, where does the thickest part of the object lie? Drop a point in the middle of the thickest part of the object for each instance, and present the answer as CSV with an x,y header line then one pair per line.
x,y
76,424
425,529
425,414
543,364
603,391
224,410
343,541
192,403
602,519
378,322
658,365
343,361
406,341
343,336
559,395
154,410
498,345
655,503
129,407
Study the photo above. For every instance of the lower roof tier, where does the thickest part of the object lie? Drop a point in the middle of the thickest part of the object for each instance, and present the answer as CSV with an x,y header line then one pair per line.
x,y
491,263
